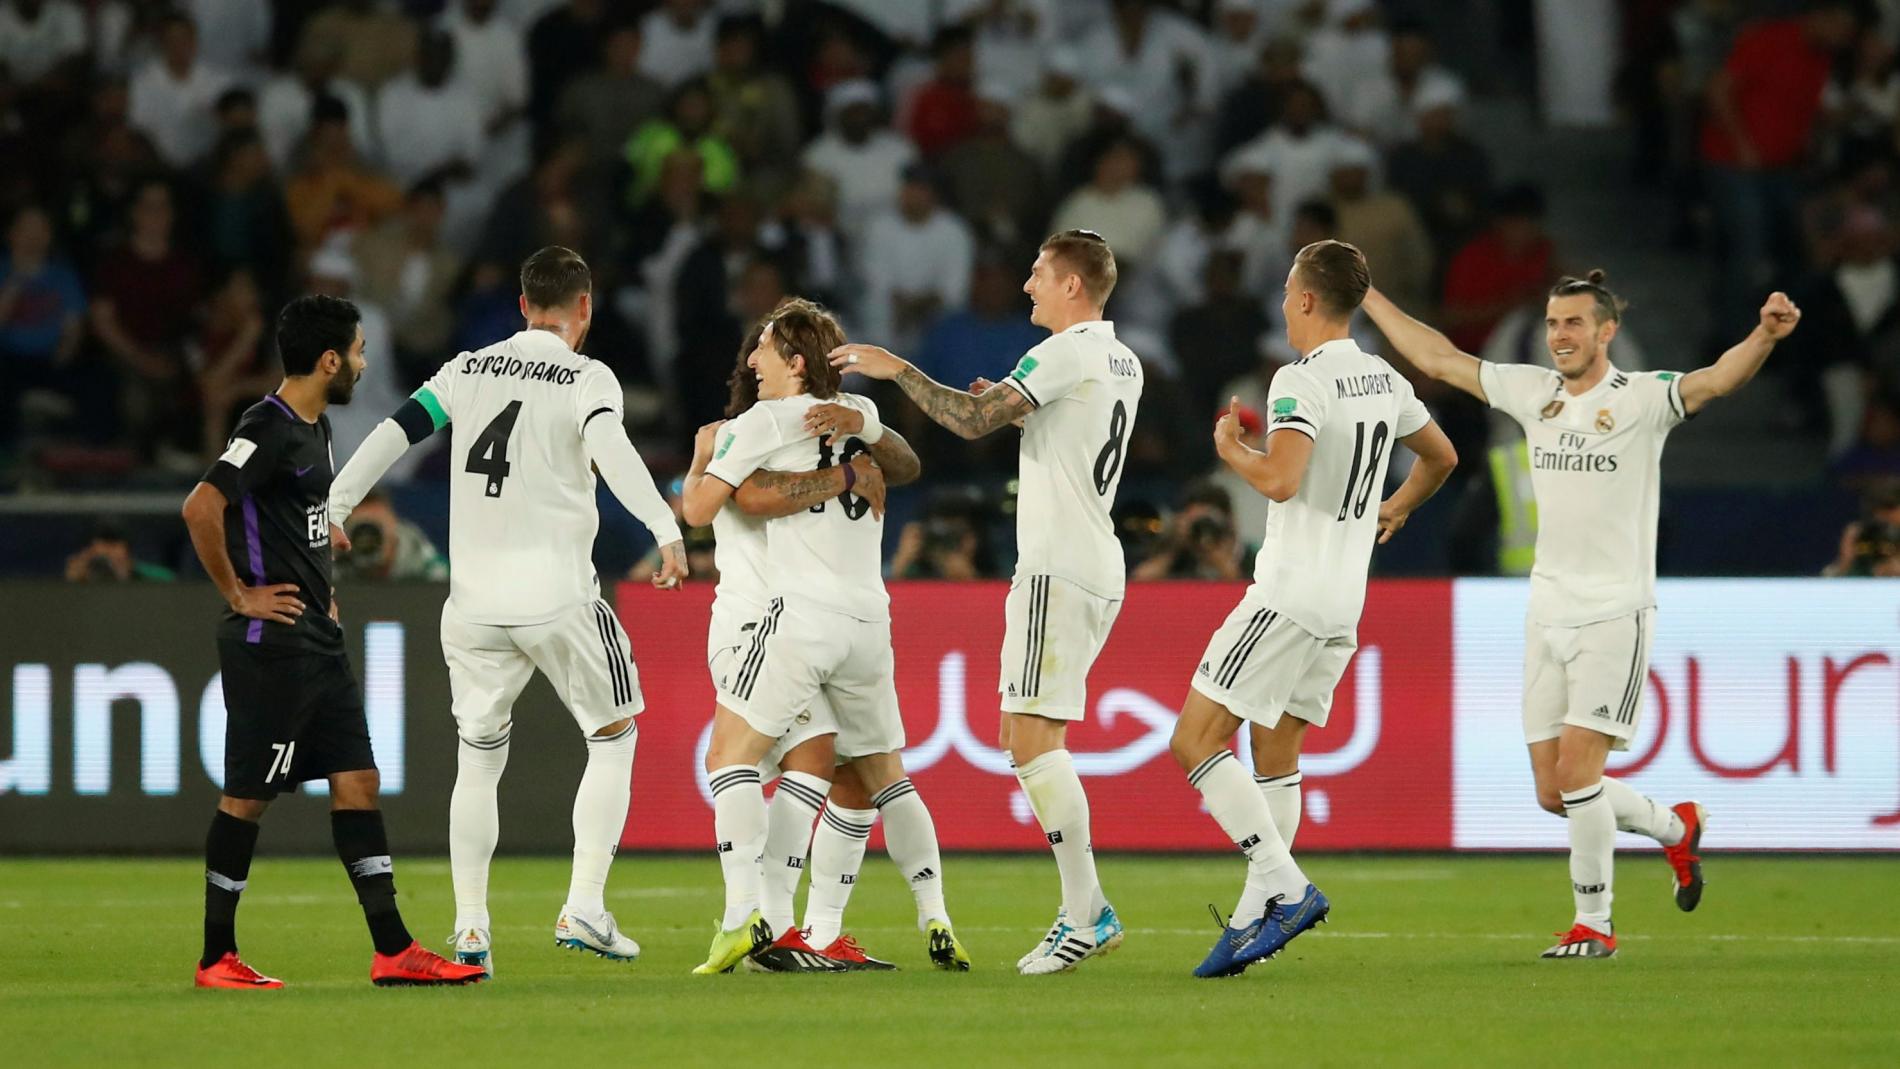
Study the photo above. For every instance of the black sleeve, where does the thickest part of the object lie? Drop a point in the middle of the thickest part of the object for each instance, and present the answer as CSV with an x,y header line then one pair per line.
x,y
250,457
415,421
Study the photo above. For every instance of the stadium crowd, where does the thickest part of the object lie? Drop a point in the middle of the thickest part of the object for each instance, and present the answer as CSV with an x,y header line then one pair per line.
x,y
177,169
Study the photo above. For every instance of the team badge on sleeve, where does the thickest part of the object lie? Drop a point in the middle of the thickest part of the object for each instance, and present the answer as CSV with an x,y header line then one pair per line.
x,y
238,452
1550,410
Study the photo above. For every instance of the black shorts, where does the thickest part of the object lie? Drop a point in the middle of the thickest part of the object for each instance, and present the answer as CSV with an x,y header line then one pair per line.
x,y
290,715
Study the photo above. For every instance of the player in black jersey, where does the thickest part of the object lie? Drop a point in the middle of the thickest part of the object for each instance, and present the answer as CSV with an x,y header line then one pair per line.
x,y
294,712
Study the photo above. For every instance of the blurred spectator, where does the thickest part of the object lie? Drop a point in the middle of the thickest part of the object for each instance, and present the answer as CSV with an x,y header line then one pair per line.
x,y
805,238
863,159
1510,264
1201,542
949,543
1116,205
226,351
384,546
985,338
706,318
916,264
380,390
38,36
991,181
687,126
1297,150
427,122
491,64
107,558
1258,231
245,223
560,203
754,108
1383,225
236,34
376,42
1218,337
108,159
1253,105
403,266
41,304
1157,57
1240,32
1384,105
334,192
1762,108
172,95
659,236
145,296
1870,546
287,105
1046,122
1850,311
679,41
564,44
942,112
1011,36
604,106
1445,175
1862,101
1348,45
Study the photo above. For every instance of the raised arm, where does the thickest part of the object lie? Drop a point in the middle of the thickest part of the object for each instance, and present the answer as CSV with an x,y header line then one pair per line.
x,y
965,415
1732,370
1436,459
1277,473
1424,348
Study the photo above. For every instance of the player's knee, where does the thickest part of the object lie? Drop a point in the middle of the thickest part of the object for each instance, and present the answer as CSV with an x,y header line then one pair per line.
x,y
355,790
1550,800
614,728
249,809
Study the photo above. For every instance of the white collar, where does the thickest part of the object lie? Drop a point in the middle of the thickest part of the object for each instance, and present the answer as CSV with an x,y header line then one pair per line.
x,y
1106,326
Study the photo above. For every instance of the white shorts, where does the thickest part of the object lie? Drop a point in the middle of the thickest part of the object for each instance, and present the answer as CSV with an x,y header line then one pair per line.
x,y
798,658
1594,676
584,653
727,641
1260,665
1052,632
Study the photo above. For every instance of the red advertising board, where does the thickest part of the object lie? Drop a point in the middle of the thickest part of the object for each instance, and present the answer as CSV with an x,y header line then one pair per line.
x,y
1377,777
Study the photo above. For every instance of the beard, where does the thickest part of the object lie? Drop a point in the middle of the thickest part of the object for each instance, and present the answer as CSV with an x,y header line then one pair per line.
x,y
341,389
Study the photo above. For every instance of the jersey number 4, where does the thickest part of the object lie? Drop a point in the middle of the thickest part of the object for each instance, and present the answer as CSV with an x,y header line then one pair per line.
x,y
489,455
1370,467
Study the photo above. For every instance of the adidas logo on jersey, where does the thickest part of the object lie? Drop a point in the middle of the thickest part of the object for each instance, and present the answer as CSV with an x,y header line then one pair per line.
x,y
1055,837
1205,670
927,873
1602,711
1009,690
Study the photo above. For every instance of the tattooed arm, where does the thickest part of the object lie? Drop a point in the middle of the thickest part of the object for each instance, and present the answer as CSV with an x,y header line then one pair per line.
x,y
967,415
774,494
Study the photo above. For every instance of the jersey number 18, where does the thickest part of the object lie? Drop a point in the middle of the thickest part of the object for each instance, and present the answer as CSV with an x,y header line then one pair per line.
x,y
1370,466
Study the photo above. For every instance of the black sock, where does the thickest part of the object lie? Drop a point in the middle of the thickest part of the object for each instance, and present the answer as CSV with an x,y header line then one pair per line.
x,y
228,849
364,849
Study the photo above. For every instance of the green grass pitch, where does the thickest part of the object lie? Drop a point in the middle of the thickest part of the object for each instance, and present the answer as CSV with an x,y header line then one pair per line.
x,y
1427,961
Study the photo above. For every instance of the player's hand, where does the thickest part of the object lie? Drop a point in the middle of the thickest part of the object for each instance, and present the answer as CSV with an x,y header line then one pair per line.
x,y
1227,429
278,603
1779,316
869,361
703,441
1391,520
673,569
832,420
870,483
339,541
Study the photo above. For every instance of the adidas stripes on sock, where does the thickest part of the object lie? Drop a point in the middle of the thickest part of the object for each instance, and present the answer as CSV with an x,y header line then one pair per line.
x,y
837,853
789,816
1236,804
910,836
739,830
1592,853
600,815
475,826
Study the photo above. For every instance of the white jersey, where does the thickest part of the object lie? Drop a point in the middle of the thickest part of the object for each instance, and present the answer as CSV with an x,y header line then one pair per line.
x,y
1313,557
829,556
1086,386
1596,469
522,517
739,554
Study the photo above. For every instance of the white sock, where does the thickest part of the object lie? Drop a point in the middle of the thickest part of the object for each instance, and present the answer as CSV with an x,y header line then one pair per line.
x,y
600,815
910,835
837,852
739,829
1592,854
1236,804
1062,808
474,826
789,816
1283,801
1642,814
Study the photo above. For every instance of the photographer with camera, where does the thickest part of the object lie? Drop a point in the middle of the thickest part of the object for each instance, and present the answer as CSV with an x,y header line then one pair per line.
x,y
383,545
1201,542
107,558
948,543
1870,546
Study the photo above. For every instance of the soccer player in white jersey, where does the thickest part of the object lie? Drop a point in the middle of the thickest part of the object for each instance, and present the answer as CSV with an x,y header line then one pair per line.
x,y
1596,437
1075,395
803,760
1336,416
826,630
531,421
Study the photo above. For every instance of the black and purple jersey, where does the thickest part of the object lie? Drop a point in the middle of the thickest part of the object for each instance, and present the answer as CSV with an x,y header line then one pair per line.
x,y
275,473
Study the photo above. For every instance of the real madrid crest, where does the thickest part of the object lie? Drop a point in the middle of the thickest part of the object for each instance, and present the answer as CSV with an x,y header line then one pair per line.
x,y
1605,422
1551,409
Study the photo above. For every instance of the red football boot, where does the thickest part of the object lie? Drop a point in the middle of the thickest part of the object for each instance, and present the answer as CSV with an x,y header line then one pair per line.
x,y
418,966
1683,858
846,951
790,953
1583,941
231,972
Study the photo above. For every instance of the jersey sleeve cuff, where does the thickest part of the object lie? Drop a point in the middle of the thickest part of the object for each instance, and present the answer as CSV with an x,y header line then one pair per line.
x,y
1294,423
226,479
1673,390
1023,388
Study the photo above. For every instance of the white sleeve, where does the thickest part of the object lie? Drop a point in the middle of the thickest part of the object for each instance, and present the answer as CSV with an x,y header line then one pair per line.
x,y
385,445
1413,416
598,393
1049,372
744,445
1662,395
1517,390
627,476
1295,402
